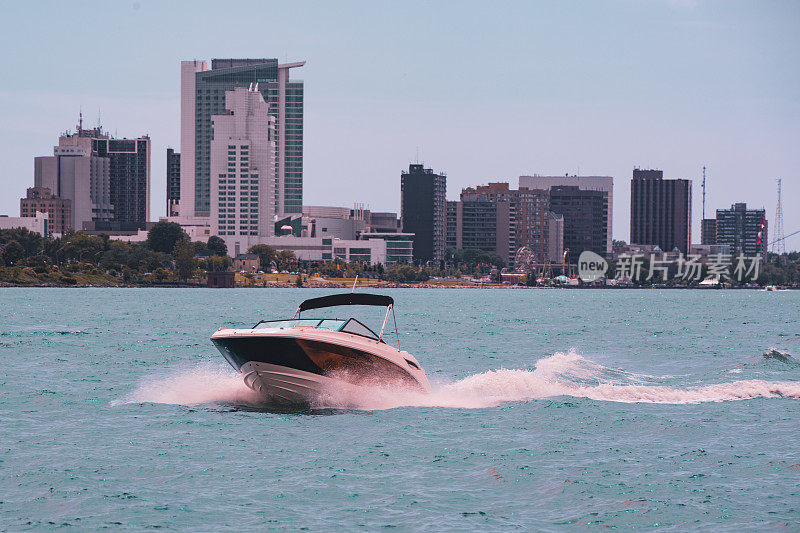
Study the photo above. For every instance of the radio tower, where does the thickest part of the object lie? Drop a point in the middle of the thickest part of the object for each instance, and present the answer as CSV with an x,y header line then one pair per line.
x,y
779,244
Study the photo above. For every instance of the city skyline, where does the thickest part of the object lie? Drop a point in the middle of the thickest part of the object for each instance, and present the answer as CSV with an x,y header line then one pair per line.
x,y
706,83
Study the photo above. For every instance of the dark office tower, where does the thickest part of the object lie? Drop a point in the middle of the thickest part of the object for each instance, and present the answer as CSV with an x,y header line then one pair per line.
x,y
661,211
738,228
423,211
451,241
708,231
129,176
585,215
173,182
203,96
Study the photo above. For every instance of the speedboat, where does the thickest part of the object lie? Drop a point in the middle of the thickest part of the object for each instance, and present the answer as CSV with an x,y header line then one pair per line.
x,y
297,360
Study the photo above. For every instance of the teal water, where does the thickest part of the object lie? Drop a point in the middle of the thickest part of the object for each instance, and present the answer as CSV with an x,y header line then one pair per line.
x,y
551,410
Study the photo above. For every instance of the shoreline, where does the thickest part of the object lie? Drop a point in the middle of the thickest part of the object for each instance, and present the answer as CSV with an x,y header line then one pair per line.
x,y
4,285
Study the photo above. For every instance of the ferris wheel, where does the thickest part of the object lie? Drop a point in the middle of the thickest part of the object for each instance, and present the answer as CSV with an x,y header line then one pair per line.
x,y
524,259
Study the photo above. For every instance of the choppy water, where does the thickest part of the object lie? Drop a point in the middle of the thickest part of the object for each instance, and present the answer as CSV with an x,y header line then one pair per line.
x,y
551,409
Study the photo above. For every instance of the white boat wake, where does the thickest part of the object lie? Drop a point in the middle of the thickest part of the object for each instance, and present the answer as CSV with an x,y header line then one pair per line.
x,y
562,374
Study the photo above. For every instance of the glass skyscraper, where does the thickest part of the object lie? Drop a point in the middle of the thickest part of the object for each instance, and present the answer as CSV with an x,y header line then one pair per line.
x,y
203,95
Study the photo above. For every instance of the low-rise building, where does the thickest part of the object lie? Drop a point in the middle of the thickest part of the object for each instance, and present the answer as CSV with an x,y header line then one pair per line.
x,y
246,263
38,223
41,199
399,246
371,251
383,222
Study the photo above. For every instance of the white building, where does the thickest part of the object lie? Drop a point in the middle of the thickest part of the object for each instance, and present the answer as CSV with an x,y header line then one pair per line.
x,y
325,211
203,96
587,183
244,186
38,224
327,248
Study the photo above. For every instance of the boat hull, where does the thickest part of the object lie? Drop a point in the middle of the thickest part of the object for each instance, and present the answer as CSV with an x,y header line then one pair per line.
x,y
299,367
289,386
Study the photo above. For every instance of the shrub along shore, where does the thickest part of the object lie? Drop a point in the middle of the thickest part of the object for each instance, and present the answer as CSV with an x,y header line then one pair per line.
x,y
170,259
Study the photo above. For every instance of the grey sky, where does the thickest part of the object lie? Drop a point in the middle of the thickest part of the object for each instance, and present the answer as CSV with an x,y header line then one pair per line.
x,y
485,91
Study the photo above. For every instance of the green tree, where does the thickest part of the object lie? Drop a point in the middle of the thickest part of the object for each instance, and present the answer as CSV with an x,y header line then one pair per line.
x,y
199,247
164,235
405,274
266,255
117,255
217,245
30,241
12,252
83,247
185,263
285,259
217,263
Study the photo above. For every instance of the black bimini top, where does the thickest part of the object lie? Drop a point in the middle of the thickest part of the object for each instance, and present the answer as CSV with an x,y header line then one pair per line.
x,y
334,300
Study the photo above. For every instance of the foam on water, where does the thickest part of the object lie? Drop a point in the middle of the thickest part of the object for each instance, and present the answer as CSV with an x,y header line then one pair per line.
x,y
562,374
199,384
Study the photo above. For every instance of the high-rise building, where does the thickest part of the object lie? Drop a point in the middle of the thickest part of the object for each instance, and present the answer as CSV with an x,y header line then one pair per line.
x,y
423,211
532,220
41,199
203,96
477,222
585,215
451,223
661,211
129,177
173,182
486,219
496,218
128,187
708,231
739,229
584,183
555,243
75,174
242,164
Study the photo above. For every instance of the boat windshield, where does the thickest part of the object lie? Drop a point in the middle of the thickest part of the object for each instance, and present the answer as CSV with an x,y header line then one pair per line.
x,y
357,328
334,324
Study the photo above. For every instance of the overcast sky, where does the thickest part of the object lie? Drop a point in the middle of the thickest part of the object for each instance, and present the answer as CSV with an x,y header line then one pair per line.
x,y
483,91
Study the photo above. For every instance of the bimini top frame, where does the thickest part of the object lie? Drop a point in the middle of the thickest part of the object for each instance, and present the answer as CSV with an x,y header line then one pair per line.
x,y
335,300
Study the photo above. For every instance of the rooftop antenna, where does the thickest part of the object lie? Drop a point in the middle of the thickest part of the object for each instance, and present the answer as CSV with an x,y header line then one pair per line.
x,y
416,160
779,244
80,119
99,123
704,192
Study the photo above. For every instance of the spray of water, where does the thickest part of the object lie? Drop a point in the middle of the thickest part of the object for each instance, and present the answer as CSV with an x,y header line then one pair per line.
x,y
204,383
563,374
